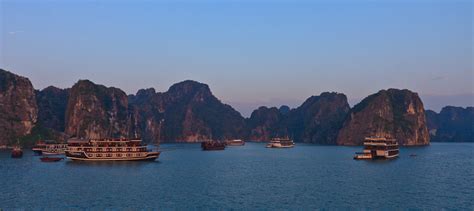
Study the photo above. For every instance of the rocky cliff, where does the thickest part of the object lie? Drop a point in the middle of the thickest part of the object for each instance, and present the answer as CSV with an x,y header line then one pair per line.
x,y
52,103
317,120
147,113
96,111
187,112
266,123
452,124
18,110
389,113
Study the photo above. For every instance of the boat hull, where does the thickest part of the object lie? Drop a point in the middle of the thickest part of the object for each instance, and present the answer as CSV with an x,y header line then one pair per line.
x,y
37,151
279,146
213,148
151,156
50,159
52,153
375,157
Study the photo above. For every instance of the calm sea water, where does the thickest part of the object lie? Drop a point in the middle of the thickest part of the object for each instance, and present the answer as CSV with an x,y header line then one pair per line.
x,y
249,177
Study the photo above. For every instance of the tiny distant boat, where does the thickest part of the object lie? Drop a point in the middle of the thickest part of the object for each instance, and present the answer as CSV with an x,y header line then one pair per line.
x,y
281,143
212,145
50,159
17,152
235,142
413,155
378,148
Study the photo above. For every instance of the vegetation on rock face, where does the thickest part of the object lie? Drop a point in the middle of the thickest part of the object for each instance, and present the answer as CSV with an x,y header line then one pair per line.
x,y
52,103
187,112
317,120
40,132
452,124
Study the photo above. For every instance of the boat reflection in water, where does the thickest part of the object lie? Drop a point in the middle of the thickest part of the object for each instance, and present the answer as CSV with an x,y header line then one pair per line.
x,y
109,150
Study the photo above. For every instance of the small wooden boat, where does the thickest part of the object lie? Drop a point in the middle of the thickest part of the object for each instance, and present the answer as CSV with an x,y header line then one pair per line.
x,y
212,145
17,152
50,159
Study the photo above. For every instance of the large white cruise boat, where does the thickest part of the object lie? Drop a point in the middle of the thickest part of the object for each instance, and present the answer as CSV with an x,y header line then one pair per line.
x,y
109,150
378,148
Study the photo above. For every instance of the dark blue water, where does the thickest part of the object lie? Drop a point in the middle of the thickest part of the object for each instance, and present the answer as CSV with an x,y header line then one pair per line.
x,y
249,177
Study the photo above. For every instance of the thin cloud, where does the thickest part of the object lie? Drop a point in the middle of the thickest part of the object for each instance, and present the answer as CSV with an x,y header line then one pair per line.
x,y
14,32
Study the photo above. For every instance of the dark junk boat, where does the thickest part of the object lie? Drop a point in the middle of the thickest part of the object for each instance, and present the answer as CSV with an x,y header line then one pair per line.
x,y
17,152
212,145
280,143
109,150
378,148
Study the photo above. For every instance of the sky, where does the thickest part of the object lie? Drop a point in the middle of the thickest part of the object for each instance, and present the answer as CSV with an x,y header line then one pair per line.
x,y
250,53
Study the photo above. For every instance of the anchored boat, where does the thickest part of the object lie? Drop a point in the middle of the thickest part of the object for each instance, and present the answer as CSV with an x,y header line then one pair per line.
x,y
49,147
212,145
109,150
235,142
17,152
378,148
280,143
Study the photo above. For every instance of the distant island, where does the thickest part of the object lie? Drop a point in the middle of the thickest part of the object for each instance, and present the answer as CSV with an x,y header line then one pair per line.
x,y
189,112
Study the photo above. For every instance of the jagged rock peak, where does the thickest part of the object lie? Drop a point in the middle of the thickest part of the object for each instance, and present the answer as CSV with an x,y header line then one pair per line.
x,y
146,92
189,86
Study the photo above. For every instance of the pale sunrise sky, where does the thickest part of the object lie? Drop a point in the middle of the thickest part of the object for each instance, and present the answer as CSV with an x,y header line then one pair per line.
x,y
250,53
